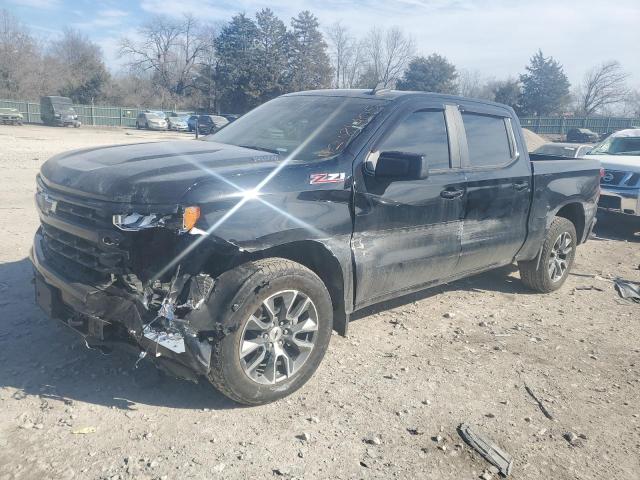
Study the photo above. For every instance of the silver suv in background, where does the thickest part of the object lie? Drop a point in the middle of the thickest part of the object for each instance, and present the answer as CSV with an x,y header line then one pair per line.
x,y
619,156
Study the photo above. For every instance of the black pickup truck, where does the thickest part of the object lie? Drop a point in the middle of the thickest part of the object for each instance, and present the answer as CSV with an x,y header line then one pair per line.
x,y
234,258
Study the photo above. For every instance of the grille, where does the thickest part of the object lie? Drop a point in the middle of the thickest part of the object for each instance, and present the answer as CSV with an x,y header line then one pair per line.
x,y
72,254
620,179
82,251
612,177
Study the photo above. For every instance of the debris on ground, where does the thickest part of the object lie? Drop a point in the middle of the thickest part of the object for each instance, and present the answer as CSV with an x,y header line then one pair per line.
x,y
488,449
84,430
589,287
541,405
628,290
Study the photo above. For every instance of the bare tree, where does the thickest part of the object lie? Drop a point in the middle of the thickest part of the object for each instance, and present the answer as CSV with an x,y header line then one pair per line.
x,y
631,104
603,85
170,51
21,63
388,54
79,66
347,56
470,84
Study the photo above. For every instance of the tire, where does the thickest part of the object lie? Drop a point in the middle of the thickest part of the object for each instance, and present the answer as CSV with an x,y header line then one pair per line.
x,y
242,296
550,275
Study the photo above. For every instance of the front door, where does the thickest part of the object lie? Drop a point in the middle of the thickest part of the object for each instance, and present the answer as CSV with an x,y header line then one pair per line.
x,y
407,232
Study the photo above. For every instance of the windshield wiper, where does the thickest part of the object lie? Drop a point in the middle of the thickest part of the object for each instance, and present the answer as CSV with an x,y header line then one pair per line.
x,y
264,149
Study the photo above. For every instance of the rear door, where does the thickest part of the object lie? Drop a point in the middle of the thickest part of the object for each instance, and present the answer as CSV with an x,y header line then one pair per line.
x,y
407,232
498,189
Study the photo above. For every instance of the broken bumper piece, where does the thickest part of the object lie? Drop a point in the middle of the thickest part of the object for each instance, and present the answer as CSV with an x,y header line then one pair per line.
x,y
109,317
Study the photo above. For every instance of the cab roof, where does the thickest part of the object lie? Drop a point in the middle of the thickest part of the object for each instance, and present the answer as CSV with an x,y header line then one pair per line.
x,y
392,95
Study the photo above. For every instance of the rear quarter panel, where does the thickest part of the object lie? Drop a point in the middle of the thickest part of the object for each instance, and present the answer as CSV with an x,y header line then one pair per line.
x,y
558,183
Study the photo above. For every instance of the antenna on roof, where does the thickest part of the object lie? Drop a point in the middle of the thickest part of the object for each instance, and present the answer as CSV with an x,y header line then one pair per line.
x,y
378,88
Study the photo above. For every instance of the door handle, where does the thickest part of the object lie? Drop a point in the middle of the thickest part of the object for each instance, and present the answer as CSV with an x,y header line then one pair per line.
x,y
451,194
519,186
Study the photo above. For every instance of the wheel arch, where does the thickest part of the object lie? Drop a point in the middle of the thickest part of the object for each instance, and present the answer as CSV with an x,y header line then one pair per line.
x,y
574,212
318,258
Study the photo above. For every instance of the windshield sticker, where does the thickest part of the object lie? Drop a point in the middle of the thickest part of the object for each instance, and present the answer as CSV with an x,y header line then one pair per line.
x,y
318,178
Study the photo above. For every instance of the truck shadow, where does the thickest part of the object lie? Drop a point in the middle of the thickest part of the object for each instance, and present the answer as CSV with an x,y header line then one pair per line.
x,y
43,358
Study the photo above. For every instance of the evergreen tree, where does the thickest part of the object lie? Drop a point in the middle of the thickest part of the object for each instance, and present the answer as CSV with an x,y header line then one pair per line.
x,y
545,87
272,51
431,74
309,62
234,76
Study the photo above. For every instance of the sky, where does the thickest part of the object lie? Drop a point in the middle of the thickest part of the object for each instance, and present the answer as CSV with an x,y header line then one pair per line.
x,y
493,37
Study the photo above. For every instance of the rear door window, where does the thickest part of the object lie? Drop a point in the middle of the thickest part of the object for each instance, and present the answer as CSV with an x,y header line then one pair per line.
x,y
487,140
423,132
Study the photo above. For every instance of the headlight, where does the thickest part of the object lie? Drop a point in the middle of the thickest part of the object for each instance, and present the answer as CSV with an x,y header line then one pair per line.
x,y
133,222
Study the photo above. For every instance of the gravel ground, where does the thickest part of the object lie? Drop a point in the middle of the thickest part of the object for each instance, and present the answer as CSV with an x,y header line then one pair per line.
x,y
385,403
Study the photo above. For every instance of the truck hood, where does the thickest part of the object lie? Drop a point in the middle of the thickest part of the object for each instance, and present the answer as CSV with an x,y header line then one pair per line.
x,y
627,163
148,173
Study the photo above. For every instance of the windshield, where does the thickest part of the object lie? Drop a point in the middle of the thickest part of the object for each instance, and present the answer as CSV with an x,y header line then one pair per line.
x,y
154,116
618,146
307,127
65,108
557,150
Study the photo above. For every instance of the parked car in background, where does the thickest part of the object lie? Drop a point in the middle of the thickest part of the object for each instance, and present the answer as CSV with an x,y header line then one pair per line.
x,y
58,112
232,117
208,124
223,259
179,124
191,122
582,135
151,121
568,150
10,116
619,155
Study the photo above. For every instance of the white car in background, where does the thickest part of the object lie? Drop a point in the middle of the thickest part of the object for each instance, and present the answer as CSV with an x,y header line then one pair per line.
x,y
568,150
619,155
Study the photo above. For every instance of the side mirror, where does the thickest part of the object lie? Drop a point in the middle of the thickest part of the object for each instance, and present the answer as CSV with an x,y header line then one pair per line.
x,y
402,165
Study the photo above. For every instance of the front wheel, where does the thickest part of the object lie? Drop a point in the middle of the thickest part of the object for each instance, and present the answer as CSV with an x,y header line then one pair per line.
x,y
279,327
556,258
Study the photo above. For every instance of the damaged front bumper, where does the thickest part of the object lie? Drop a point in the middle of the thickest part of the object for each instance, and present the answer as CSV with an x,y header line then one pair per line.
x,y
110,315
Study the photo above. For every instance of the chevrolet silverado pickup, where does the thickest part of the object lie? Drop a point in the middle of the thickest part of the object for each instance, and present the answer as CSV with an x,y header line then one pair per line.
x,y
233,259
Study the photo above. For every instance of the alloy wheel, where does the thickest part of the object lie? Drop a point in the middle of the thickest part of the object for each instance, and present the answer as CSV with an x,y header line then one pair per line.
x,y
559,257
278,337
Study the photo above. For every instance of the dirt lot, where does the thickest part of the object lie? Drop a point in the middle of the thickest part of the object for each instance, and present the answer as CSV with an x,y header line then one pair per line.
x,y
403,380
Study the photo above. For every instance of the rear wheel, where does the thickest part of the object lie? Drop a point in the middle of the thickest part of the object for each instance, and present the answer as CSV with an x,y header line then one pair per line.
x,y
280,323
556,258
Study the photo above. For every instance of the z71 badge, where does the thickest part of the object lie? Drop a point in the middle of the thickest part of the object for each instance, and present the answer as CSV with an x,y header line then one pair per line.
x,y
318,178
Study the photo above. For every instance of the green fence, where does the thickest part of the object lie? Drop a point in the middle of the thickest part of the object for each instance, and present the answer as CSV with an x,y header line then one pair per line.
x,y
560,125
126,117
87,114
